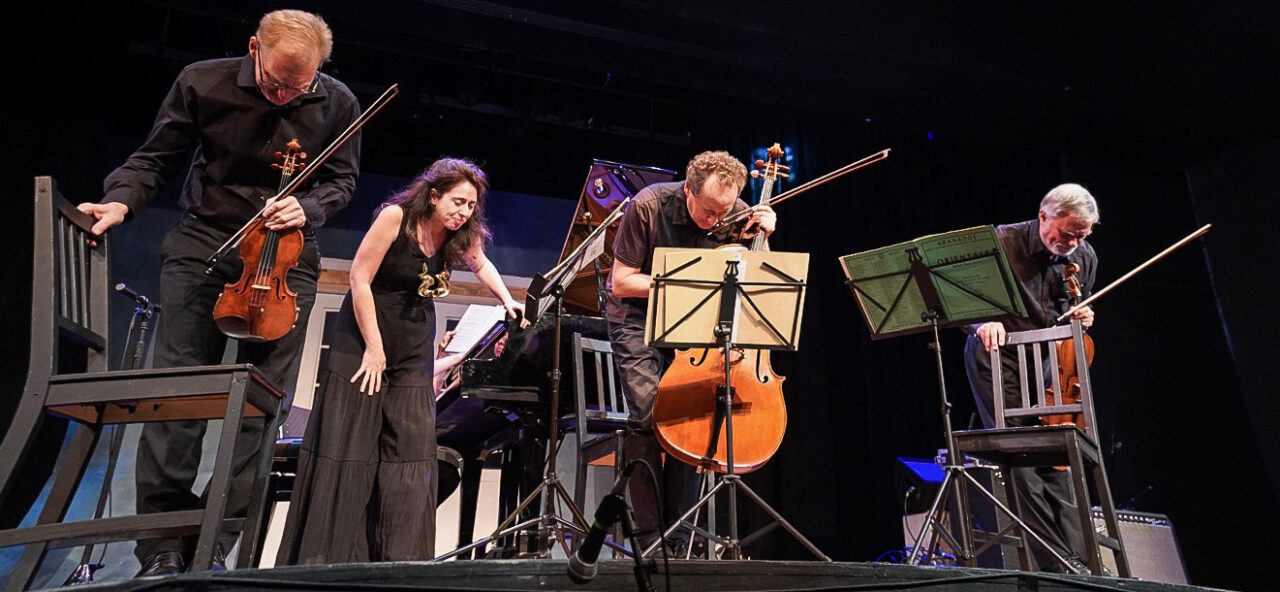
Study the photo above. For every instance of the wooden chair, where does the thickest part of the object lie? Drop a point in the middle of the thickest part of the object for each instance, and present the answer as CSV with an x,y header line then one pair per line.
x,y
1070,445
600,415
68,376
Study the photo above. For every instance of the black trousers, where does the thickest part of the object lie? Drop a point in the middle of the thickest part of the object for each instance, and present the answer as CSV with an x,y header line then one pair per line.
x,y
675,483
1045,493
169,452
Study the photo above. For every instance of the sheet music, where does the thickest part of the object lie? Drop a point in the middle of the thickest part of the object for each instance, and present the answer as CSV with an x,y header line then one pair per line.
x,y
474,324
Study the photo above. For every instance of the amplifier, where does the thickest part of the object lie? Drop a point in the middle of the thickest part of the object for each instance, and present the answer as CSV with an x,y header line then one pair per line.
x,y
1153,549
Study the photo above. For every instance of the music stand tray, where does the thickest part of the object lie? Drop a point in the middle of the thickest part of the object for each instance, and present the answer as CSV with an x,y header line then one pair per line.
x,y
726,299
962,274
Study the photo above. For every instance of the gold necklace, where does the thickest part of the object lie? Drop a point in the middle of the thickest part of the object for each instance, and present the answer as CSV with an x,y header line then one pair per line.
x,y
433,286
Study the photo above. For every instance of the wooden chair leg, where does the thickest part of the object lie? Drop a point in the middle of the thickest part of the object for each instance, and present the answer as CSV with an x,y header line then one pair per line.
x,y
22,431
220,481
1109,518
1015,504
71,471
580,472
254,519
1081,491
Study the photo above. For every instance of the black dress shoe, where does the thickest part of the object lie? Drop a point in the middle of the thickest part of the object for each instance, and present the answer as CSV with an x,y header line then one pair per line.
x,y
164,563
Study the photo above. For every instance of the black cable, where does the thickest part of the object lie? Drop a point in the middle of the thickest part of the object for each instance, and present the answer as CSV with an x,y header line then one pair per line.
x,y
662,509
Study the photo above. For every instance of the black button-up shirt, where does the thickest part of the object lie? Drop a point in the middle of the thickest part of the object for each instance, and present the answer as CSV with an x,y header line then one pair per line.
x,y
216,108
1039,274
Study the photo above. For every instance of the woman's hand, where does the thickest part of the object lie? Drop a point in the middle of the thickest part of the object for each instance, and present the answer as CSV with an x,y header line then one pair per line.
x,y
370,372
515,310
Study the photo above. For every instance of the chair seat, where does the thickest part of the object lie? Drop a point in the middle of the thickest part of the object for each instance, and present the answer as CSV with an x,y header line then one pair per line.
x,y
1032,446
166,394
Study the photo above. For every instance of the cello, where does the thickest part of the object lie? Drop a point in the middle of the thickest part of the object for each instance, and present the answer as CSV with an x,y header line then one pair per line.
x,y
260,306
685,410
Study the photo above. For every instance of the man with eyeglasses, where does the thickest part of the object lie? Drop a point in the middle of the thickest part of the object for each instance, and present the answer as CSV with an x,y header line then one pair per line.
x,y
225,120
1038,251
676,214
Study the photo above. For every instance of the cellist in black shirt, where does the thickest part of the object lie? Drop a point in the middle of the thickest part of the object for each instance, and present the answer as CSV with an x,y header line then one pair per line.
x,y
224,120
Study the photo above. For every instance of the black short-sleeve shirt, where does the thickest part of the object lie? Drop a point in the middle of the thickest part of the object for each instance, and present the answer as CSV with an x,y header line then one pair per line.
x,y
657,217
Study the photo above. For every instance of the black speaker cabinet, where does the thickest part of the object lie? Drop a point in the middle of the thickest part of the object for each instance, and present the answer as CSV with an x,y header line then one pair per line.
x,y
1153,549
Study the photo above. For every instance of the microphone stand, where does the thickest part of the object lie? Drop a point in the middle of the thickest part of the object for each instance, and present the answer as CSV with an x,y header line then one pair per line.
x,y
83,573
643,582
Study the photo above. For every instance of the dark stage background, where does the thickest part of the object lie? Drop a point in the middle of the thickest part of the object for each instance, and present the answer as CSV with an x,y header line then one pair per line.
x,y
1164,115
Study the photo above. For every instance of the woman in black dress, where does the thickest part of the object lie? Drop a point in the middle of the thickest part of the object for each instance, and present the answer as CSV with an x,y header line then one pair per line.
x,y
366,483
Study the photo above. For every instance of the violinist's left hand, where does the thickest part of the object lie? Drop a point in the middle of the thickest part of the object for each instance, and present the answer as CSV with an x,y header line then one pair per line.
x,y
1085,315
284,213
763,219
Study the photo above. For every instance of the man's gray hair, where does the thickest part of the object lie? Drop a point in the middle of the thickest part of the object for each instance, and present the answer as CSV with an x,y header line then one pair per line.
x,y
1070,199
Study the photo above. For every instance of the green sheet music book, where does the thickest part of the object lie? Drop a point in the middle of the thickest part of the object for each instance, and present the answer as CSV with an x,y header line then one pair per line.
x,y
967,271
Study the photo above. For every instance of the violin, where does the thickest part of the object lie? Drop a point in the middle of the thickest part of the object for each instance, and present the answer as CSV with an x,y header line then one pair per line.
x,y
685,411
260,306
1068,365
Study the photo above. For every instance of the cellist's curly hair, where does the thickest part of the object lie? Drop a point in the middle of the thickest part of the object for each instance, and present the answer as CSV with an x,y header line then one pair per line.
x,y
731,170
443,175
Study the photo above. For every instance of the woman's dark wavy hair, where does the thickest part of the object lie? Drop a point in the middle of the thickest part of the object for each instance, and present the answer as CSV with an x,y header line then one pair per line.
x,y
443,175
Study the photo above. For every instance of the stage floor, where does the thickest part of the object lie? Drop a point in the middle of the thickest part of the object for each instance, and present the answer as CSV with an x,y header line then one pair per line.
x,y
534,574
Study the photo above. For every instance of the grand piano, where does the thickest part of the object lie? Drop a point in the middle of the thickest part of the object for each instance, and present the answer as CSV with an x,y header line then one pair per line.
x,y
498,402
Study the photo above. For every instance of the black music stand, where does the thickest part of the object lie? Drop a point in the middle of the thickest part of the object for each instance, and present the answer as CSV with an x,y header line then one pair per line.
x,y
679,316
545,292
944,280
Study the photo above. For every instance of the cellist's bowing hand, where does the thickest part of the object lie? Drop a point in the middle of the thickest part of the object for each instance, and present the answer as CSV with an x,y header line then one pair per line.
x,y
992,334
1085,315
282,214
762,219
370,372
107,215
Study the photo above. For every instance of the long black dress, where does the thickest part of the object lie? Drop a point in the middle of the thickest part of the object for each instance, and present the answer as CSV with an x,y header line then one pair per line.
x,y
366,483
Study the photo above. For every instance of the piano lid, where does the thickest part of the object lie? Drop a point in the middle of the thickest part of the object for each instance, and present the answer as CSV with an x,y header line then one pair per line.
x,y
608,184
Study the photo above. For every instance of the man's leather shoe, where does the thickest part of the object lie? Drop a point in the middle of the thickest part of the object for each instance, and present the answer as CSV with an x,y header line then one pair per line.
x,y
164,563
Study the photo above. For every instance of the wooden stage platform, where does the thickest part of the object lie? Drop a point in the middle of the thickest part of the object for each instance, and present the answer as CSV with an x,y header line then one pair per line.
x,y
549,574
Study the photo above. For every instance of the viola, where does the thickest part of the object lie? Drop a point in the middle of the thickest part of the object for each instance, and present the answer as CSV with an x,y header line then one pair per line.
x,y
685,408
260,306
1068,365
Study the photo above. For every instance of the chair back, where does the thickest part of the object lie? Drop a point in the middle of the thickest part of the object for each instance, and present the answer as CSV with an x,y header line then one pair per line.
x,y
69,289
1036,355
600,403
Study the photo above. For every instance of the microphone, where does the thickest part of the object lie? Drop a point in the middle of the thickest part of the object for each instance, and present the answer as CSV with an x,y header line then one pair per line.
x,y
142,301
582,565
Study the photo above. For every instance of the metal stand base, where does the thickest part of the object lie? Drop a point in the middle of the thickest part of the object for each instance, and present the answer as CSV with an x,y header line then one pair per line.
x,y
731,546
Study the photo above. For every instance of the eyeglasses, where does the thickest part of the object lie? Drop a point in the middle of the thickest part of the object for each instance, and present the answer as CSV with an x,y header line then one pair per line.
x,y
1073,235
270,82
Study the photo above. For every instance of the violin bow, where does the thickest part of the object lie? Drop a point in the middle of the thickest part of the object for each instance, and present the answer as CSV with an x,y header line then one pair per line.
x,y
784,196
1123,278
298,179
